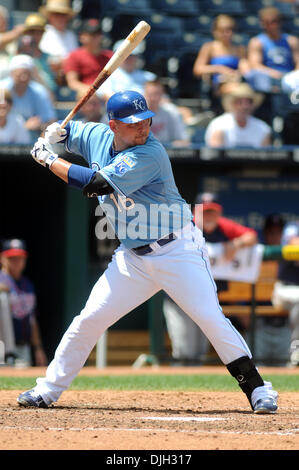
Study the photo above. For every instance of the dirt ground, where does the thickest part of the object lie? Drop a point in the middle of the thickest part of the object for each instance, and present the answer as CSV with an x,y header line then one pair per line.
x,y
146,420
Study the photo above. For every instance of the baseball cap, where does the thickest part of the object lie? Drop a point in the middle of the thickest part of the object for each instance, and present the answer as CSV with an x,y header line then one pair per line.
x,y
209,201
129,107
14,247
92,25
21,61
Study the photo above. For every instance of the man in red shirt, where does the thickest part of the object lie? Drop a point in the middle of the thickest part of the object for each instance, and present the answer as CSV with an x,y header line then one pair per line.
x,y
189,345
219,229
82,66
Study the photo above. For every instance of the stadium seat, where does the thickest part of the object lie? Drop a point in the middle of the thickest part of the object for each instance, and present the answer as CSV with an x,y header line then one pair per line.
x,y
163,23
249,24
19,17
9,4
64,93
27,5
189,42
286,9
176,7
128,7
201,24
198,135
241,39
291,25
229,7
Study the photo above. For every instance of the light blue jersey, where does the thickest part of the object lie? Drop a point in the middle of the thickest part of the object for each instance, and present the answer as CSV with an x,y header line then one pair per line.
x,y
146,204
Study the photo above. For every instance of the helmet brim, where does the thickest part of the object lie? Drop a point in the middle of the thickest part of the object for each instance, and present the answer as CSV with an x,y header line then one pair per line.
x,y
136,117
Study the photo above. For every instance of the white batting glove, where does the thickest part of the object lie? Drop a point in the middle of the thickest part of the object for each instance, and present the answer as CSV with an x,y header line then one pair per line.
x,y
55,134
43,155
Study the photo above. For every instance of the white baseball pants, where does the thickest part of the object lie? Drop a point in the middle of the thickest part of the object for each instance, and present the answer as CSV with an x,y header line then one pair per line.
x,y
180,268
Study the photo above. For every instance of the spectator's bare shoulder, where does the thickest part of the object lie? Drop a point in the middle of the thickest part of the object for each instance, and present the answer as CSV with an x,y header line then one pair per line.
x,y
293,41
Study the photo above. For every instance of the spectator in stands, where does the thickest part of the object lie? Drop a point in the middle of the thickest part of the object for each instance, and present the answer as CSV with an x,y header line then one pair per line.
x,y
272,333
58,39
189,345
271,54
286,289
237,127
8,41
272,229
29,44
12,125
129,76
93,110
30,99
221,61
22,303
82,65
167,125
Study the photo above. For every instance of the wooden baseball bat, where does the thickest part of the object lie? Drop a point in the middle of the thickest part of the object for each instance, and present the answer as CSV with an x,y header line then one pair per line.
x,y
124,50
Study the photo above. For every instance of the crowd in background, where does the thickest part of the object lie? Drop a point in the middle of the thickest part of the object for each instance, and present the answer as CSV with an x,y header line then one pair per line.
x,y
53,57
56,54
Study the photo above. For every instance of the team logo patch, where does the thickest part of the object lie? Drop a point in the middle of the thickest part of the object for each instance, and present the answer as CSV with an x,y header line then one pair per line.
x,y
95,166
124,165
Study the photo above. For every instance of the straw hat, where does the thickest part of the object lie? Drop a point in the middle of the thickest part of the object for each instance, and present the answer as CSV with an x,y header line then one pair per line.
x,y
36,22
241,90
57,6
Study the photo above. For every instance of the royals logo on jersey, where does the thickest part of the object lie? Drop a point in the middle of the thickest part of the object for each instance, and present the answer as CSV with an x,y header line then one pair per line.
x,y
124,165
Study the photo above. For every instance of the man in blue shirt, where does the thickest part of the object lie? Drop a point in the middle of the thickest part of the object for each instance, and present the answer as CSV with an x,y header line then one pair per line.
x,y
30,98
160,248
272,53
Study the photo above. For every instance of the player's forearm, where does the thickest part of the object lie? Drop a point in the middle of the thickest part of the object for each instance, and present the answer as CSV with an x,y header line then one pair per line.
x,y
61,168
91,182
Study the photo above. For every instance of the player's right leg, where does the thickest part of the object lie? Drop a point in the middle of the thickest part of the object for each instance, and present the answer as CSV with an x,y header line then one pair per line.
x,y
122,287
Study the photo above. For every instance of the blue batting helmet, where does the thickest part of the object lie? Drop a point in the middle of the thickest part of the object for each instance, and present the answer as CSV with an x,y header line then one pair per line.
x,y
128,106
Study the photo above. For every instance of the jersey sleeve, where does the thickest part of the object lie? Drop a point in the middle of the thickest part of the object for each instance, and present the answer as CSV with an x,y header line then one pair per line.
x,y
232,229
130,171
81,138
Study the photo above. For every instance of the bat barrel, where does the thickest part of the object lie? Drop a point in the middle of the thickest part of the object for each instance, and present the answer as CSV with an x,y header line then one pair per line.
x,y
121,54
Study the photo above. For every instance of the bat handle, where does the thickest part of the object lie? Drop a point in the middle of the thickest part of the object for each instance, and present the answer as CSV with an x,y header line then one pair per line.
x,y
76,108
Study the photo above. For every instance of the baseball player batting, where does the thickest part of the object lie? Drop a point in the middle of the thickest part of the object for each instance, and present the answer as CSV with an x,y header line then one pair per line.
x,y
130,173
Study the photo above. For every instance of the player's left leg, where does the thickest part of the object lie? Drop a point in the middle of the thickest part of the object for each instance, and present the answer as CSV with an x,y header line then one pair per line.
x,y
184,273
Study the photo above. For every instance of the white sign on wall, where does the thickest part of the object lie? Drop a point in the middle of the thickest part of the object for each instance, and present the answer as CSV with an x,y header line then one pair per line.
x,y
244,267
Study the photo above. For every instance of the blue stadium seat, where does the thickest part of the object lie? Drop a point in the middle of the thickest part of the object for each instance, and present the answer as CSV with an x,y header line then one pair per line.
x,y
161,44
9,4
241,39
189,43
128,7
19,17
198,135
201,24
229,7
176,7
287,9
64,93
249,24
163,23
291,26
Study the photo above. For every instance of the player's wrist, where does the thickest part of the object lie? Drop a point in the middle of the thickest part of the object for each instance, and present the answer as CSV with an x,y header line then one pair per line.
x,y
50,160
